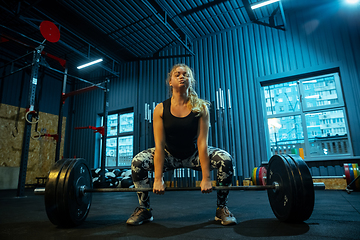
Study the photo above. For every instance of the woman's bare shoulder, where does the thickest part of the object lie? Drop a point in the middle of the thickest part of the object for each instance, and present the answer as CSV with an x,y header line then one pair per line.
x,y
159,109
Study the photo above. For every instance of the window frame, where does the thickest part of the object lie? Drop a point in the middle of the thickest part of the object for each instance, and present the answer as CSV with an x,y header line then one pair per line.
x,y
117,136
306,110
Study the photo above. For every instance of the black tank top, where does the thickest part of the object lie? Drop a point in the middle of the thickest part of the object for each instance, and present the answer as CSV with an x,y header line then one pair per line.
x,y
180,132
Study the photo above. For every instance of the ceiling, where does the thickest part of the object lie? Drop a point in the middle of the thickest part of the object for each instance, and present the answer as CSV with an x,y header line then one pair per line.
x,y
127,30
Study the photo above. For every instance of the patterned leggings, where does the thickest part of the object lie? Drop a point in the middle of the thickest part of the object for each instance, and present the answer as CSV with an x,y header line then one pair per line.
x,y
144,162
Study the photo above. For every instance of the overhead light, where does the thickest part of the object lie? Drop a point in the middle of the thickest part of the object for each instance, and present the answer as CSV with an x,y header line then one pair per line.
x,y
352,1
90,63
264,3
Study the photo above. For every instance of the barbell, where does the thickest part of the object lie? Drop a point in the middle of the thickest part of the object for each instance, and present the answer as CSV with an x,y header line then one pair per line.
x,y
68,190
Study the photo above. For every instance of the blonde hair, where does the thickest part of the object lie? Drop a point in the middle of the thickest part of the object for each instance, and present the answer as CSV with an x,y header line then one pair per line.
x,y
196,104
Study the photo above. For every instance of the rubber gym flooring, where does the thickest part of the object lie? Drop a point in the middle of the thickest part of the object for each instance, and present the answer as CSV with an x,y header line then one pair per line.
x,y
183,215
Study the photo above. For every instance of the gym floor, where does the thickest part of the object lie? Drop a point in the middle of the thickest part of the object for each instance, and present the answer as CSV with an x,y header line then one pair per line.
x,y
183,215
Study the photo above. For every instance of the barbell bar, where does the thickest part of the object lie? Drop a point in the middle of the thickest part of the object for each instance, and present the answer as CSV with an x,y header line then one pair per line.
x,y
68,190
83,190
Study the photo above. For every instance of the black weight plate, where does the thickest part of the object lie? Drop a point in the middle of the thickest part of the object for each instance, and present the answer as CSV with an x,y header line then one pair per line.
x,y
356,185
63,219
73,205
297,190
281,200
51,205
305,189
79,205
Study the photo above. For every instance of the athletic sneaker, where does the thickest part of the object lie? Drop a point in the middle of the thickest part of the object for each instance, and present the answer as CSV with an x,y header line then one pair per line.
x,y
225,216
139,216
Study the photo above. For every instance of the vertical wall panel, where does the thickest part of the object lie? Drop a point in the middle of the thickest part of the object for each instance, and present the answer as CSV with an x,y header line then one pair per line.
x,y
50,89
11,88
238,60
88,107
260,51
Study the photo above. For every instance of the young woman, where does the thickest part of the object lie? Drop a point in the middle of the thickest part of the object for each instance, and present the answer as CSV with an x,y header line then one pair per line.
x,y
181,127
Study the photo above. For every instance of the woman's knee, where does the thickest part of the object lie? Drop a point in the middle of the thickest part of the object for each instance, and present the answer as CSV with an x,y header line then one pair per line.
x,y
141,164
228,162
223,161
221,158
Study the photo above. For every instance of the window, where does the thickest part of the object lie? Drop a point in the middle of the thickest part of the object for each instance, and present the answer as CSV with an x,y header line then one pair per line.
x,y
314,112
120,140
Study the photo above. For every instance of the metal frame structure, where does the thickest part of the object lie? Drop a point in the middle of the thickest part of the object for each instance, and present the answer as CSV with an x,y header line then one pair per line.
x,y
30,106
130,34
28,118
271,23
86,56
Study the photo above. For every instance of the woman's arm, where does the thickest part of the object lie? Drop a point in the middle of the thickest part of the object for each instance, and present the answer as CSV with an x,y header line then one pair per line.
x,y
202,143
159,137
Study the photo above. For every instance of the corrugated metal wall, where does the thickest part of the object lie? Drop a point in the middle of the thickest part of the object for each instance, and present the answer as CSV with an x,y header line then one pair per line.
x,y
227,63
90,105
246,56
238,60
15,89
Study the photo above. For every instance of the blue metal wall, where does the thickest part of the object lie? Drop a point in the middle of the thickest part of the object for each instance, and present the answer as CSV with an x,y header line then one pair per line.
x,y
88,107
49,91
239,60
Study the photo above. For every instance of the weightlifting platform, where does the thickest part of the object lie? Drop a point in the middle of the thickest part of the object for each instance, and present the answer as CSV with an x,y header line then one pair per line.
x,y
183,215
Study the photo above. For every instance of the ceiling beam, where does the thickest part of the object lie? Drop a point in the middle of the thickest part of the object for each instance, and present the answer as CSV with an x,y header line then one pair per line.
x,y
70,47
165,57
282,14
253,19
201,7
249,11
75,23
180,36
